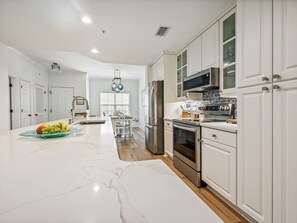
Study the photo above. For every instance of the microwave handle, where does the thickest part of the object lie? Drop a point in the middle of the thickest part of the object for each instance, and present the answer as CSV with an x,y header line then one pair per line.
x,y
185,128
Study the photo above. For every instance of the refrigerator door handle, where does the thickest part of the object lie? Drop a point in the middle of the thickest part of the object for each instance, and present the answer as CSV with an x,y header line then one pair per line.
x,y
153,111
149,126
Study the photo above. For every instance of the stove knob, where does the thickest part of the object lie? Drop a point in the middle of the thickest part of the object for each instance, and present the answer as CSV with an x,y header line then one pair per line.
x,y
227,108
222,108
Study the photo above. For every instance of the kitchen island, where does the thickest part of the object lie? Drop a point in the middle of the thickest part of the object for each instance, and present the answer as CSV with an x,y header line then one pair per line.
x,y
80,178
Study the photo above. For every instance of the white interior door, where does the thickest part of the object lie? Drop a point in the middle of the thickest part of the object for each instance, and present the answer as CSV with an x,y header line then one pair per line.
x,y
39,104
60,102
26,115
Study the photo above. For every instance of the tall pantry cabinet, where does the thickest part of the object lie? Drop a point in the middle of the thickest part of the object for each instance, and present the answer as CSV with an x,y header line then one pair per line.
x,y
267,105
284,111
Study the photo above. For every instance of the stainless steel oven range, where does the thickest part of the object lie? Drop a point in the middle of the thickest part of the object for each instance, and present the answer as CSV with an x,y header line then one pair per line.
x,y
187,149
187,140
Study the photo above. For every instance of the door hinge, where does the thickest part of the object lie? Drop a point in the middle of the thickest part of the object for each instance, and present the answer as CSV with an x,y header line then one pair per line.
x,y
51,110
21,86
44,92
50,92
11,110
10,85
45,110
22,110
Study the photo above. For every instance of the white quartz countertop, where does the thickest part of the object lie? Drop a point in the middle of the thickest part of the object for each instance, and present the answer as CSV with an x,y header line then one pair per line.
x,y
220,126
80,178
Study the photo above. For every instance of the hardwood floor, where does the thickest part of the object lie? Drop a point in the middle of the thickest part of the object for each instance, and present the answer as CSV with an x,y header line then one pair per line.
x,y
133,149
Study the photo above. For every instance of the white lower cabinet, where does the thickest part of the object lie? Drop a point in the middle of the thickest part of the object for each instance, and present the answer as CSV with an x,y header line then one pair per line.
x,y
254,152
168,137
219,163
285,152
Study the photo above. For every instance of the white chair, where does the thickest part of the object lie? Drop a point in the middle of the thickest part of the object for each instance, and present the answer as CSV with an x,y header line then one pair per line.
x,y
122,126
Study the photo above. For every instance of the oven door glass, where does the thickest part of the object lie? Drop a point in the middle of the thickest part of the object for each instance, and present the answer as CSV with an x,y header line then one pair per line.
x,y
185,143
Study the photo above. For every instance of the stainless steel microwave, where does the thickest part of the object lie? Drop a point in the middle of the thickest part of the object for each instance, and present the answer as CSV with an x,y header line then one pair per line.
x,y
204,80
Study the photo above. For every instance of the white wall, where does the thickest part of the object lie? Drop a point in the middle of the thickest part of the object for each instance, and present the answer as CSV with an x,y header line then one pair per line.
x,y
4,89
23,68
142,85
77,80
98,85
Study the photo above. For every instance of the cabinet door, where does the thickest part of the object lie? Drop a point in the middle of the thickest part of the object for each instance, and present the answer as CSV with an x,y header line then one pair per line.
x,y
228,53
219,168
285,39
158,70
285,152
254,152
210,47
168,142
195,56
254,42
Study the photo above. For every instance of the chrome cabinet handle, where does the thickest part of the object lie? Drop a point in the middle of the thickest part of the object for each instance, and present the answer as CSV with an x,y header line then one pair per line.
x,y
265,79
265,89
214,135
276,76
276,87
199,140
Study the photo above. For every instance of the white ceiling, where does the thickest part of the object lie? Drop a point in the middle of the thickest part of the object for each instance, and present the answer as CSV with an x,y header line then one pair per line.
x,y
73,62
52,31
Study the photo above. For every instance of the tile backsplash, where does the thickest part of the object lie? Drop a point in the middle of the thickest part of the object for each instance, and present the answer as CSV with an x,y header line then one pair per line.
x,y
213,97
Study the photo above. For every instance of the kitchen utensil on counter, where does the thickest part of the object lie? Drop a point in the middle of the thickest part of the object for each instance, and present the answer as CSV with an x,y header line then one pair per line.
x,y
196,116
232,121
185,114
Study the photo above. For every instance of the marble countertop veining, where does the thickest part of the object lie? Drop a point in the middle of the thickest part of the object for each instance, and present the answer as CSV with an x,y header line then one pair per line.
x,y
80,178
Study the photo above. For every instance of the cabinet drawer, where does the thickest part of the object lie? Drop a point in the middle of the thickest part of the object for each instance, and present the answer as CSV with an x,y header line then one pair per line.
x,y
219,136
168,125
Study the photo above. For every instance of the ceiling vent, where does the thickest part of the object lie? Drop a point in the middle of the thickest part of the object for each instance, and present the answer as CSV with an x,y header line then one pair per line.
x,y
162,31
56,67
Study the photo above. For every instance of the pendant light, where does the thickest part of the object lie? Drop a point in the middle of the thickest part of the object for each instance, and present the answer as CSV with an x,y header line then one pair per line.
x,y
116,84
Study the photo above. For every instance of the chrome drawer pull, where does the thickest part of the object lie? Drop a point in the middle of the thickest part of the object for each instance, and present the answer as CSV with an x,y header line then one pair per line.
x,y
276,76
214,135
276,87
265,79
265,88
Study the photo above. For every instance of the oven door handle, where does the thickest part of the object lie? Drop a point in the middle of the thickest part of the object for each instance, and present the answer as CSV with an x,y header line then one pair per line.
x,y
185,128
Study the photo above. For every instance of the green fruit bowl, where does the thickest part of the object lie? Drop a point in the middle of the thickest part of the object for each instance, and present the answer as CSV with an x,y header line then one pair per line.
x,y
32,133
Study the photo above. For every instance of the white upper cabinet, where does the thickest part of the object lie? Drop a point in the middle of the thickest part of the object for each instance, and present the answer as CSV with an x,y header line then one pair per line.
x,y
254,42
194,62
254,152
169,78
284,39
285,152
228,52
210,47
158,70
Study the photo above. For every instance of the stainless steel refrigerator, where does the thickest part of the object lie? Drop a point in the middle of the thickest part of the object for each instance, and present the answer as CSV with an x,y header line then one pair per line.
x,y
154,128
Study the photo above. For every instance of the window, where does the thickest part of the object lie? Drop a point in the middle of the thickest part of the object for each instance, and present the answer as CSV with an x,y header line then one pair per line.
x,y
111,102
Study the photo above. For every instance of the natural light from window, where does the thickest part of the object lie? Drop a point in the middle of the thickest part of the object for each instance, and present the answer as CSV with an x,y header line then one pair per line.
x,y
111,102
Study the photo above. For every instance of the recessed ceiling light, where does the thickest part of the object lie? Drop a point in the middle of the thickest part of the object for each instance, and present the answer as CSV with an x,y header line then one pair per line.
x,y
86,20
94,51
